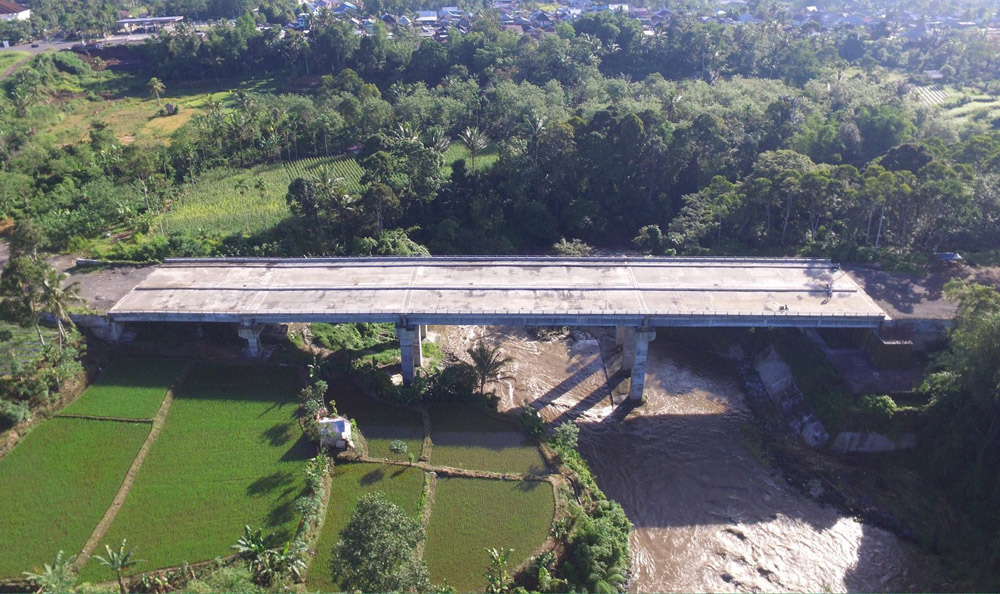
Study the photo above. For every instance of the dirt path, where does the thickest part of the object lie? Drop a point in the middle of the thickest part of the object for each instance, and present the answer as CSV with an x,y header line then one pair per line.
x,y
10,69
116,504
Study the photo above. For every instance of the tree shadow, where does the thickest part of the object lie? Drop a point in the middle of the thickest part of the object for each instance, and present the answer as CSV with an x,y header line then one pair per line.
x,y
278,434
370,478
270,483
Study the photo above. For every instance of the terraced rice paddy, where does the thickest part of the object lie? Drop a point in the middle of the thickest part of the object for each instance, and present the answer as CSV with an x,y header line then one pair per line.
x,y
471,515
56,484
380,423
463,437
230,454
127,389
400,485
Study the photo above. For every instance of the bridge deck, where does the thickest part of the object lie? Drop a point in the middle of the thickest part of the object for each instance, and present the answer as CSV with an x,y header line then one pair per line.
x,y
500,290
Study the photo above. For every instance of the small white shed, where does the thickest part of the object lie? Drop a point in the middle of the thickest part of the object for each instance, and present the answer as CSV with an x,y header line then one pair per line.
x,y
336,432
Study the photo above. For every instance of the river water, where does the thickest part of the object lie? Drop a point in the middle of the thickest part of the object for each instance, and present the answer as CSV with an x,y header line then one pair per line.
x,y
708,515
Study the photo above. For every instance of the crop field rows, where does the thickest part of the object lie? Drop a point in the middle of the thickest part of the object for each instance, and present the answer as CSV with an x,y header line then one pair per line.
x,y
932,95
231,200
21,344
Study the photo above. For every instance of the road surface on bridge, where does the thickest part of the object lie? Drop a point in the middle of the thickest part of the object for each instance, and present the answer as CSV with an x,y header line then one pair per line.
x,y
639,292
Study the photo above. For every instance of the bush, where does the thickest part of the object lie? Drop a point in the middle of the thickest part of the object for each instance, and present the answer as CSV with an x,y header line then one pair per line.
x,y
877,407
597,556
13,413
565,436
225,579
455,383
531,421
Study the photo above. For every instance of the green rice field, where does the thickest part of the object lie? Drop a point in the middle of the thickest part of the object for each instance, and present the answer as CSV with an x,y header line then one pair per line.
x,y
231,453
380,423
56,484
463,437
128,389
401,485
471,515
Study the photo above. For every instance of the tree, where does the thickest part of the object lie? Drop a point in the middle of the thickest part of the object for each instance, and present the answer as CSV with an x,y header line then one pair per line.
x,y
156,87
56,298
377,549
498,579
54,578
398,447
475,140
488,363
119,560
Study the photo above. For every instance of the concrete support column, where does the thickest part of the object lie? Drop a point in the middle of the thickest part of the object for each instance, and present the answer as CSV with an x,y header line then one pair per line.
x,y
409,350
628,348
114,331
423,332
642,338
251,333
619,335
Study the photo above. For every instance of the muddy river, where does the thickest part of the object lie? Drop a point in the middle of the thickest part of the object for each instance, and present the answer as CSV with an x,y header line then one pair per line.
x,y
708,515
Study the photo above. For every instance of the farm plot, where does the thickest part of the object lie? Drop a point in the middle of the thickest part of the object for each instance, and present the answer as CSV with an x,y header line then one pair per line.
x,y
400,485
932,95
21,344
231,200
56,484
231,453
380,423
127,389
463,437
471,515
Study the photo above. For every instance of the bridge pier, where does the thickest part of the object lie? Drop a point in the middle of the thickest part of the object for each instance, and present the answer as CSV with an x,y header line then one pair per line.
x,y
410,352
619,335
250,332
636,355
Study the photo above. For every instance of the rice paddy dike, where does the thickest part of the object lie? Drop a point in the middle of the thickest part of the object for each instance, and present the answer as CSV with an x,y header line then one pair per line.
x,y
177,456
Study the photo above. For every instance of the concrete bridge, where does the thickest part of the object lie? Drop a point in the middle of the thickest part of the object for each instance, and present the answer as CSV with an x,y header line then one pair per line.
x,y
636,295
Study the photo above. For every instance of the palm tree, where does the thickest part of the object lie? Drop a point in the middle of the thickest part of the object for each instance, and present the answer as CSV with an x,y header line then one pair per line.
x,y
498,579
488,363
55,298
476,140
157,88
119,560
334,196
57,577
438,141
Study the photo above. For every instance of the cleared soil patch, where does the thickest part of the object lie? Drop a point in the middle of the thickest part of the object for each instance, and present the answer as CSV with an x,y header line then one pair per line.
x,y
128,389
231,453
465,438
57,483
381,423
401,485
471,515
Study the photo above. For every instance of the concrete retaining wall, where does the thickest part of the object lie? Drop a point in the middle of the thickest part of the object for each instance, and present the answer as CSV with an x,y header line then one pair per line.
x,y
855,441
780,385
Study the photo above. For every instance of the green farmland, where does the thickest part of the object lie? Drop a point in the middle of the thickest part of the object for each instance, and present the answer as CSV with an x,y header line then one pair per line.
x,y
56,484
127,389
214,205
400,485
230,454
471,515
465,438
380,424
